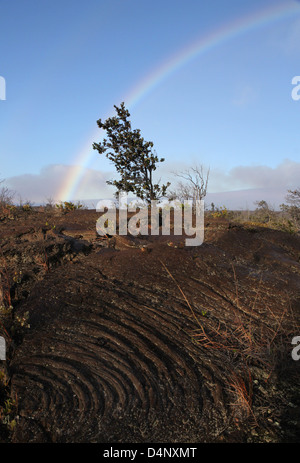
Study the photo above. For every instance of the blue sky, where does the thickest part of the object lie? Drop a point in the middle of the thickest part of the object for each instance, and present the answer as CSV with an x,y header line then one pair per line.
x,y
66,63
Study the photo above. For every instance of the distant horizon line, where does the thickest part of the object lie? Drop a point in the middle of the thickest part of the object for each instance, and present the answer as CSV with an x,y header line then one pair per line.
x,y
208,199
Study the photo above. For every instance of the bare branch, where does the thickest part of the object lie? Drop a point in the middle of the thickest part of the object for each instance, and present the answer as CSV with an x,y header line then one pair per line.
x,y
196,186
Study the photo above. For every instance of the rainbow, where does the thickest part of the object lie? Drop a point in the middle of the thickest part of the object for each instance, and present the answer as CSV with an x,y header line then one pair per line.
x,y
217,37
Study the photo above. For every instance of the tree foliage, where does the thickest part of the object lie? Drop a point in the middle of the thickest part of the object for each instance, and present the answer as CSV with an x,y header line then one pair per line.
x,y
293,207
132,156
264,212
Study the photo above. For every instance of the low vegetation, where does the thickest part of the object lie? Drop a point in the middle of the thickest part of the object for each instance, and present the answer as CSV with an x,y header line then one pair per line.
x,y
287,219
68,206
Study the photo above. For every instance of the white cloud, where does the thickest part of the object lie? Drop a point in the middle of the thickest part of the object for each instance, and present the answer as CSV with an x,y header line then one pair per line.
x,y
239,187
285,175
48,182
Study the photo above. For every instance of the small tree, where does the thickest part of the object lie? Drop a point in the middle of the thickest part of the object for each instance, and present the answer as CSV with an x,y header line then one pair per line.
x,y
293,207
6,197
132,156
293,197
183,192
195,185
263,212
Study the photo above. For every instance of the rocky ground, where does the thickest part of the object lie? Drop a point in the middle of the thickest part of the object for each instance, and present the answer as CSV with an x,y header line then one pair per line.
x,y
147,340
